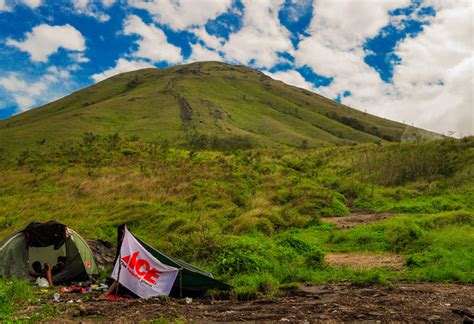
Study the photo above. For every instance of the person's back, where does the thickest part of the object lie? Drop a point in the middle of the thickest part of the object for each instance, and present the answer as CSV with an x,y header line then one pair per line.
x,y
40,272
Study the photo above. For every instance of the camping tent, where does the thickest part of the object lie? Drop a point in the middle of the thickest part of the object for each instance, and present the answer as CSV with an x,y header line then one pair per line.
x,y
191,281
45,242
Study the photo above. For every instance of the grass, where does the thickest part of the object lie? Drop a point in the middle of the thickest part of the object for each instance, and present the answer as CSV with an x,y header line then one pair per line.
x,y
252,217
200,105
14,294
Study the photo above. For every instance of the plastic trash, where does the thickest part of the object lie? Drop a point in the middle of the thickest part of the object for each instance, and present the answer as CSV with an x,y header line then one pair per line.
x,y
42,282
188,300
56,297
103,287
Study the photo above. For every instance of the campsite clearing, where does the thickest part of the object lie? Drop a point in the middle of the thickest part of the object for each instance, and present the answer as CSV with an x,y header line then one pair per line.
x,y
405,302
355,219
365,260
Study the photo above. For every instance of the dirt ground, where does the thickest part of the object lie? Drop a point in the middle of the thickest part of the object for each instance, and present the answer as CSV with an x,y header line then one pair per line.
x,y
365,261
425,302
355,219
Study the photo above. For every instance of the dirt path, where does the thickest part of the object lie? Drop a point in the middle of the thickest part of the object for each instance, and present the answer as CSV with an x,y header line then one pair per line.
x,y
407,303
355,219
365,261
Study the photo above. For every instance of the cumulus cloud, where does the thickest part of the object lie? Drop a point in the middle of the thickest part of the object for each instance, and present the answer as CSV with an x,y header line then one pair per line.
x,y
78,57
4,6
90,8
432,84
45,40
27,93
181,14
434,80
261,37
33,4
291,77
200,53
121,66
153,43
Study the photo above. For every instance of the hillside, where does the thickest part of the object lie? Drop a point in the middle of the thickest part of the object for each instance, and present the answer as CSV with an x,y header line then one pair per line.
x,y
262,219
200,105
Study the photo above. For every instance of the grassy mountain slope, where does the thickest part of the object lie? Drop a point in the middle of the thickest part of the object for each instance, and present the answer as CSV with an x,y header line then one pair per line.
x,y
206,104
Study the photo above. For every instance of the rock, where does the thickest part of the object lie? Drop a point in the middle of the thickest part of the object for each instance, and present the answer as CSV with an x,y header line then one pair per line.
x,y
79,311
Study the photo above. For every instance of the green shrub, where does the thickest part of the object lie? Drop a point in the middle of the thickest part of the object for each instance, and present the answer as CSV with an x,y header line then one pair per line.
x,y
402,235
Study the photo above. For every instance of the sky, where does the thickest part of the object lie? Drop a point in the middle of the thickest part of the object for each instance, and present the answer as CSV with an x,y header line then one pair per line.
x,y
405,60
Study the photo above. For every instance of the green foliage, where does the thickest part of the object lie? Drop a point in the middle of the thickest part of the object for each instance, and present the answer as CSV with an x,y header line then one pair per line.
x,y
14,294
397,164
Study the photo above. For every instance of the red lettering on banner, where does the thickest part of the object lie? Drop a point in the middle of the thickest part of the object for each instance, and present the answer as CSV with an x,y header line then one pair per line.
x,y
140,268
142,263
153,273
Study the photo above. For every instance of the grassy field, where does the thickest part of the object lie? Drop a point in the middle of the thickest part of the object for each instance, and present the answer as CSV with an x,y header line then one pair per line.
x,y
252,217
200,105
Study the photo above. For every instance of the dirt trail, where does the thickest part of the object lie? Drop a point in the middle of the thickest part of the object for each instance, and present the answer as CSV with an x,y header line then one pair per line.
x,y
365,261
355,219
407,303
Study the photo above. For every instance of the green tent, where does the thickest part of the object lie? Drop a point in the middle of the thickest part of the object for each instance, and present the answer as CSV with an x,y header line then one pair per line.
x,y
45,242
191,280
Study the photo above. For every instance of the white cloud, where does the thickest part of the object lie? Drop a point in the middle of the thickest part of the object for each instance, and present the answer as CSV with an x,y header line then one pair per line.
x,y
261,37
89,8
78,57
121,66
108,3
296,8
45,40
432,86
27,93
210,40
153,43
200,53
180,14
291,77
4,6
33,4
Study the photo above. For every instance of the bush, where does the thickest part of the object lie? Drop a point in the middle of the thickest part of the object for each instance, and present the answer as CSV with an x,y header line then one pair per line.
x,y
402,235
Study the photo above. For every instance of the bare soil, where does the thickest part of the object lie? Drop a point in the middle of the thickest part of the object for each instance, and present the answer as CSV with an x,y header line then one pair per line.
x,y
355,219
425,302
365,260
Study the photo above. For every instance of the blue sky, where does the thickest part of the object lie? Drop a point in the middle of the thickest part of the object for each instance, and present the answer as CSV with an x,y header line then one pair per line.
x,y
405,60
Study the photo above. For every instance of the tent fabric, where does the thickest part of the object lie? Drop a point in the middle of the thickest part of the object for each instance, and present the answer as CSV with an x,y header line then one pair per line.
x,y
17,256
191,280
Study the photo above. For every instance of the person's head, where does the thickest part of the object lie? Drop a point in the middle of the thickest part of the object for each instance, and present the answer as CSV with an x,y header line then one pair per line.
x,y
37,267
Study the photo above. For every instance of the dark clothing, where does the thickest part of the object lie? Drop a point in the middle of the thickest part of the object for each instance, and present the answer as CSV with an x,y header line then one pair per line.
x,y
46,234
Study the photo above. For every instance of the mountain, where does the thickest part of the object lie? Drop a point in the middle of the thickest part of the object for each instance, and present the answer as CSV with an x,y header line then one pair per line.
x,y
204,104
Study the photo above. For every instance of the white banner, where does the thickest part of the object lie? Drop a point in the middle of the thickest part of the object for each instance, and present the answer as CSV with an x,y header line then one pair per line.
x,y
141,272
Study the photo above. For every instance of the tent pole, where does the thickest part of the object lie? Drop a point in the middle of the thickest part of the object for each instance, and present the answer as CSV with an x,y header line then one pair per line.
x,y
118,273
181,283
